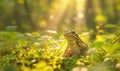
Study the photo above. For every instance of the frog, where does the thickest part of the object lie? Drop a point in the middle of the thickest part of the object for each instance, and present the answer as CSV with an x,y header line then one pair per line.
x,y
75,45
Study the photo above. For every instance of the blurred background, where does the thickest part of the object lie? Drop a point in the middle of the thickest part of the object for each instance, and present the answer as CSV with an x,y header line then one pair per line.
x,y
91,16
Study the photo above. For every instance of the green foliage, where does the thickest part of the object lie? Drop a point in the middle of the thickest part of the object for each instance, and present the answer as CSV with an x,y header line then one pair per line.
x,y
32,52
110,26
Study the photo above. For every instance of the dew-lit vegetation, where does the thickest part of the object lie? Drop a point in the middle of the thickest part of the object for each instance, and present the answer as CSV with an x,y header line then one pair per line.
x,y
32,34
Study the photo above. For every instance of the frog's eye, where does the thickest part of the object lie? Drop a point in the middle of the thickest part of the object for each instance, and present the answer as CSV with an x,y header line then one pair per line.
x,y
73,32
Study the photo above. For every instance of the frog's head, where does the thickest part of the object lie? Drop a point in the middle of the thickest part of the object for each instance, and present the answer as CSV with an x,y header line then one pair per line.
x,y
70,36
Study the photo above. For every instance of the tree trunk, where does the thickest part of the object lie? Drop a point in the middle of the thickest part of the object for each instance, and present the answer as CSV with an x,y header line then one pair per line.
x,y
89,19
31,22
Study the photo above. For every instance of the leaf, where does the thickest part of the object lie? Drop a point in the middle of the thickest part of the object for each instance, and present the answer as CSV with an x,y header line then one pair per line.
x,y
98,44
110,26
10,56
11,28
10,68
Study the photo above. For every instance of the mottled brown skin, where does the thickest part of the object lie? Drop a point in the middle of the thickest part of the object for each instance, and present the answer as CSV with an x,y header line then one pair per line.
x,y
75,46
